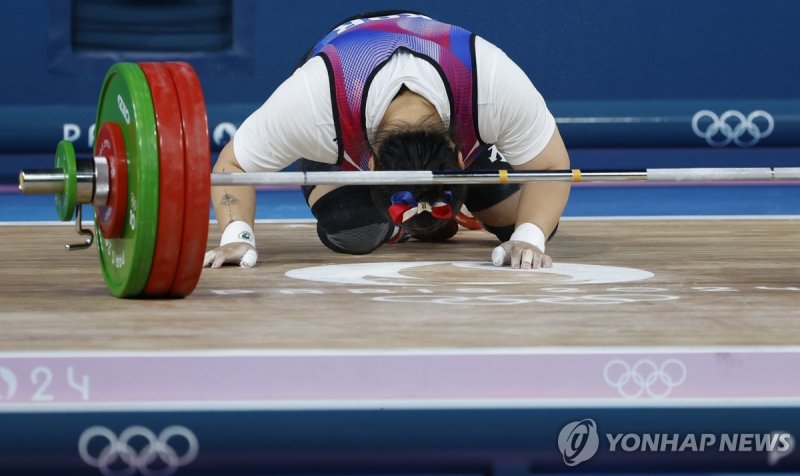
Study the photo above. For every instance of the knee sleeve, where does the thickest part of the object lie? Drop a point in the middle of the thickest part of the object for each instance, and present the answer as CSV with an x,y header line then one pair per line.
x,y
503,233
481,197
347,222
306,165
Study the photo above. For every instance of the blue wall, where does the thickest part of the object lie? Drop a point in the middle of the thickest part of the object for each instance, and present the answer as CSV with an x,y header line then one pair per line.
x,y
616,73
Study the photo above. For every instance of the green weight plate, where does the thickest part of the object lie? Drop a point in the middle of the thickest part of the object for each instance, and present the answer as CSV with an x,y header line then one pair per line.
x,y
66,200
125,99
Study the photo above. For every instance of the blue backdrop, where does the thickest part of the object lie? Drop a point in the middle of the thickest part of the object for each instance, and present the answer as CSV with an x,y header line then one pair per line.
x,y
617,73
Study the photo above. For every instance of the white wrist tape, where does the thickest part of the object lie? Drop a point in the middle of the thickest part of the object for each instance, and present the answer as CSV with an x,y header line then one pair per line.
x,y
238,232
529,233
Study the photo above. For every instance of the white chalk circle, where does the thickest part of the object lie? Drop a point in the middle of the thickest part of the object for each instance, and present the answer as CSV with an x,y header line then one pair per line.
x,y
395,274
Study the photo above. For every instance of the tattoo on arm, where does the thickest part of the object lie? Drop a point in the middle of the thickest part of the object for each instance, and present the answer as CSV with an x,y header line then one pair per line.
x,y
229,201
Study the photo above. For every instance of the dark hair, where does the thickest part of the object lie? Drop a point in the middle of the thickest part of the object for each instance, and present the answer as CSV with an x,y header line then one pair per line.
x,y
417,147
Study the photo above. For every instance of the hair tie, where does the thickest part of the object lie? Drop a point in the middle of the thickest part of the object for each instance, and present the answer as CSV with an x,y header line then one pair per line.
x,y
404,207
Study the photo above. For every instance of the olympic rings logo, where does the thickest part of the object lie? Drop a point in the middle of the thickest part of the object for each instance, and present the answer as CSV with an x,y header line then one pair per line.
x,y
732,126
657,381
149,455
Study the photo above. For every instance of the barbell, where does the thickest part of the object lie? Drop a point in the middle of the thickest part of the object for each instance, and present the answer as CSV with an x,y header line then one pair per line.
x,y
149,179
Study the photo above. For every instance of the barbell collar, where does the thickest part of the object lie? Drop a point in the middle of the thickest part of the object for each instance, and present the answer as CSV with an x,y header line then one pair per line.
x,y
92,178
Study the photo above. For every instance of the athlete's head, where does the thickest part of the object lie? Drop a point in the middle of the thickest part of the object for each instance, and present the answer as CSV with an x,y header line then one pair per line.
x,y
426,211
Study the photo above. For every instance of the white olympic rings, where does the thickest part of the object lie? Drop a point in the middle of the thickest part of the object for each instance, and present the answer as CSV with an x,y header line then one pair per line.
x,y
645,376
732,126
155,458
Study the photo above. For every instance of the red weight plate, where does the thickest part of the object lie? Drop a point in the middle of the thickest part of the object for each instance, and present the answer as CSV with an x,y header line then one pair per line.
x,y
198,178
110,143
171,180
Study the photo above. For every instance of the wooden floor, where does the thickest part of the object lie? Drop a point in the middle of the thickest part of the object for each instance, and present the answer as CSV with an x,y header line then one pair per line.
x,y
716,282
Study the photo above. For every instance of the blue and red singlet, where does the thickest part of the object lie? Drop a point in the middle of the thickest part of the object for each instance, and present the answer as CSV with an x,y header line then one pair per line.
x,y
355,51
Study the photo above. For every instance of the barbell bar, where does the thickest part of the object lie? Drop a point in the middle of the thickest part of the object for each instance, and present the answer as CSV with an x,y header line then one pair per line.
x,y
149,179
51,181
473,177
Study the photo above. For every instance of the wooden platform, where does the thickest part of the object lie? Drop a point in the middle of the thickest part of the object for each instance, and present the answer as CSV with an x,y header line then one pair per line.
x,y
417,359
714,282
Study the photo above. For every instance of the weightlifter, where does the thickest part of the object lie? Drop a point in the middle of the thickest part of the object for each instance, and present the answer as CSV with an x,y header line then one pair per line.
x,y
401,91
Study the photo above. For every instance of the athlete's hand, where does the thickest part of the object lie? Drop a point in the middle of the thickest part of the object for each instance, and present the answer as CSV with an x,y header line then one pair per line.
x,y
520,255
525,249
241,253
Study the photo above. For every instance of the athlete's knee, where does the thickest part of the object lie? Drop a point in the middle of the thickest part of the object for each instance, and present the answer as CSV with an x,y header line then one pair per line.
x,y
360,240
348,223
503,233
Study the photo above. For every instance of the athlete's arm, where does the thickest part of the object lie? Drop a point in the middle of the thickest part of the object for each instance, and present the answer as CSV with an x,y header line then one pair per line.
x,y
235,208
541,205
296,121
516,119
